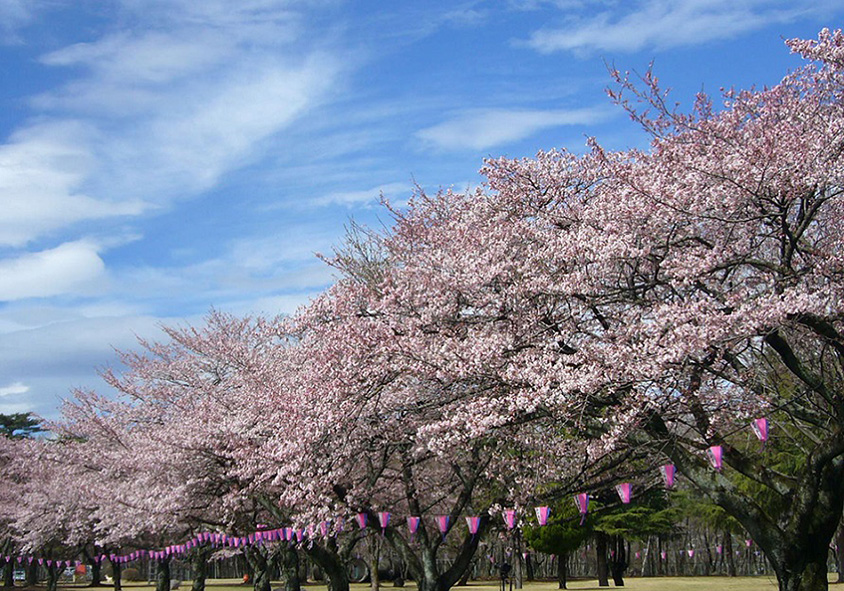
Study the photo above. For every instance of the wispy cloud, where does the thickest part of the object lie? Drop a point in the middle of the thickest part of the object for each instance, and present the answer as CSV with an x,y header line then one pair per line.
x,y
13,389
66,268
362,197
43,170
487,128
662,24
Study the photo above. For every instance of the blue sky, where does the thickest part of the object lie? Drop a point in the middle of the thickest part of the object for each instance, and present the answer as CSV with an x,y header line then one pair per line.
x,y
162,157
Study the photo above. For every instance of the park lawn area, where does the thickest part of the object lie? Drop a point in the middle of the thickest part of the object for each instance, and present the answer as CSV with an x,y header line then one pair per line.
x,y
761,583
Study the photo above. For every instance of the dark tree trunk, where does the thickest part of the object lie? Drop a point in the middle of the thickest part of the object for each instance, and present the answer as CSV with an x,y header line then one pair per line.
x,y
96,573
562,570
52,577
31,569
332,565
289,567
618,560
199,566
601,558
9,574
115,575
260,566
374,579
162,575
730,555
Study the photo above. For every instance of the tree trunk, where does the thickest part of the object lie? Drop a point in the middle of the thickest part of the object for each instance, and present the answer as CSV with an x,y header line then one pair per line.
x,y
729,555
96,573
162,575
601,558
618,560
31,569
258,563
199,566
52,577
334,568
562,570
115,575
9,574
289,567
374,579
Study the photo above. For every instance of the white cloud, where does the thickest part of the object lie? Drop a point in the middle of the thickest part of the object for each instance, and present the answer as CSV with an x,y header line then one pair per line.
x,y
663,24
354,198
483,129
71,267
13,389
42,171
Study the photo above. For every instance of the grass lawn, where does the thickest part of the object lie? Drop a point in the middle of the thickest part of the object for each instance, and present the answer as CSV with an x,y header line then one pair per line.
x,y
762,583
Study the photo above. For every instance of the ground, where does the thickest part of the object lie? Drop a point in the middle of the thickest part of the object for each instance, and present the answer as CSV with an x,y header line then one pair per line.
x,y
762,583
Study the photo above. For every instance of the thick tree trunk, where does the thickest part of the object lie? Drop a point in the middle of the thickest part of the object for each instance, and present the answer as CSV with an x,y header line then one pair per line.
x,y
260,566
162,575
601,558
93,567
52,577
9,574
618,560
289,567
31,569
374,551
96,573
562,570
115,575
199,566
331,564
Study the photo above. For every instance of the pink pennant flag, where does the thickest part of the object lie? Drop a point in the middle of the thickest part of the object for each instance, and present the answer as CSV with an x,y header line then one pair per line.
x,y
638,555
40,561
624,491
748,542
582,502
49,563
716,457
442,523
510,518
691,552
663,555
323,529
300,534
474,524
383,520
288,534
760,427
412,526
361,519
668,471
719,549
542,514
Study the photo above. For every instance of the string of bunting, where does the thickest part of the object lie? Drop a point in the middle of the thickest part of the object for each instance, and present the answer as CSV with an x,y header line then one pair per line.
x,y
715,455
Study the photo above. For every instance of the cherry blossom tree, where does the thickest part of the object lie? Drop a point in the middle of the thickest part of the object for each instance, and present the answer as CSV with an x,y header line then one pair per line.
x,y
659,298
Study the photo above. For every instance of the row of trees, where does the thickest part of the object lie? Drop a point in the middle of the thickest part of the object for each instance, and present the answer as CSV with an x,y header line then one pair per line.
x,y
575,322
